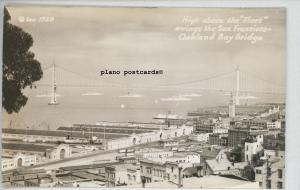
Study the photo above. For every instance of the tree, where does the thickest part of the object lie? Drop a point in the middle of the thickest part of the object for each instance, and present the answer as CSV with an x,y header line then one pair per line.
x,y
20,69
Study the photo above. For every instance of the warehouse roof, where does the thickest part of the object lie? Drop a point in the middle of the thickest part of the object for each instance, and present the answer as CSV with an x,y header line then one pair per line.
x,y
25,147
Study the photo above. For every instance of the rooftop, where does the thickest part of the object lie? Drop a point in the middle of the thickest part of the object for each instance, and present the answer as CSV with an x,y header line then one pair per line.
x,y
210,152
88,166
211,181
59,133
25,147
219,165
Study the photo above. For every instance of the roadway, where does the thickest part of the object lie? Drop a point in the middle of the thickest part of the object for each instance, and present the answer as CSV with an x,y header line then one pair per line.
x,y
94,157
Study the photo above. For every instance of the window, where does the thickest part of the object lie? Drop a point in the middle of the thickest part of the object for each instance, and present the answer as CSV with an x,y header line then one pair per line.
x,y
268,184
260,184
149,170
280,173
247,147
279,185
268,171
258,171
172,169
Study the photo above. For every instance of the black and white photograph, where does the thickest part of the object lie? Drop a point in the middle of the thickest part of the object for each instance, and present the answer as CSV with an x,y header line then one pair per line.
x,y
144,97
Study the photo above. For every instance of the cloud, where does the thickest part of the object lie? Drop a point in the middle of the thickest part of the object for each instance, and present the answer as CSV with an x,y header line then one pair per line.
x,y
175,99
91,94
248,97
226,94
46,95
242,97
131,95
190,95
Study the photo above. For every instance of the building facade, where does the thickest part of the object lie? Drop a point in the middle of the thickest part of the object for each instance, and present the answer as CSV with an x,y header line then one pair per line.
x,y
238,135
253,149
271,175
135,139
61,152
218,139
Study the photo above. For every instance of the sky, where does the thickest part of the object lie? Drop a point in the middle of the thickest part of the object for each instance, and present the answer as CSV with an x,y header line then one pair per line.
x,y
86,40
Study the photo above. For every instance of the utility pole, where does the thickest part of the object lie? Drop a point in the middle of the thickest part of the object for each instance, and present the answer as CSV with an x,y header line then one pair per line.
x,y
267,177
143,179
179,177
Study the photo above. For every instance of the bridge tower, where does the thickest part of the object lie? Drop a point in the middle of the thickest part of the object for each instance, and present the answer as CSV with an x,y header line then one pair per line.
x,y
237,90
53,100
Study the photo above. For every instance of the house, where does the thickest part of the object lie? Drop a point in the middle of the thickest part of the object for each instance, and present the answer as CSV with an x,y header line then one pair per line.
x,y
25,178
271,174
126,174
7,163
253,149
152,171
121,174
174,173
220,166
185,159
158,155
133,175
209,153
156,171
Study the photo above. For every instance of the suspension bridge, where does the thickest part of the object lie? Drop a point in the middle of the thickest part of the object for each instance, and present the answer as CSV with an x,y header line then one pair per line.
x,y
236,81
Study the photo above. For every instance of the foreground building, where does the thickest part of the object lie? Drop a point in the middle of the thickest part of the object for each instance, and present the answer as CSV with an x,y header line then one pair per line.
x,y
271,174
213,182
